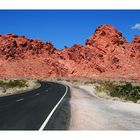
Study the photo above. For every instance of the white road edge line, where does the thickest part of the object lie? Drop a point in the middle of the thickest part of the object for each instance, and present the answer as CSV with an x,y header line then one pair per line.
x,y
51,113
20,100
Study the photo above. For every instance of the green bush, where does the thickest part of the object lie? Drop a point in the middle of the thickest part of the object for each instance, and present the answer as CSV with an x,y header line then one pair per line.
x,y
125,91
13,83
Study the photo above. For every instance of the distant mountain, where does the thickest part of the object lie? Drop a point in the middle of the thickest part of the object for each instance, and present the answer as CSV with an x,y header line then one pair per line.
x,y
105,54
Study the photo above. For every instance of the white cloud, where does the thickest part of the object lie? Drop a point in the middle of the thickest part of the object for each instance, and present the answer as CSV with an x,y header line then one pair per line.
x,y
136,26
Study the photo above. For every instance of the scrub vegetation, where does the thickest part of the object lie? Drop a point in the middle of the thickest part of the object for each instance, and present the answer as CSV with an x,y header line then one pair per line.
x,y
12,83
17,86
126,90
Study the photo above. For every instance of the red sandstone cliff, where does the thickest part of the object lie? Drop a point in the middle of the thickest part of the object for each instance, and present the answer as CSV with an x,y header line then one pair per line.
x,y
105,54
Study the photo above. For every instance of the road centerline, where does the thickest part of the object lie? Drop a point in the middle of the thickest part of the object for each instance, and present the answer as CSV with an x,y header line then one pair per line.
x,y
20,100
34,109
37,94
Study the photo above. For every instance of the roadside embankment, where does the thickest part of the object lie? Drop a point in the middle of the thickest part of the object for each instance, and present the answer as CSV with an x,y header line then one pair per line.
x,y
90,112
14,86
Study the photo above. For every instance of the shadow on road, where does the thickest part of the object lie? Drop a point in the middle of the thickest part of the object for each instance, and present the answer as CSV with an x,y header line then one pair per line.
x,y
61,117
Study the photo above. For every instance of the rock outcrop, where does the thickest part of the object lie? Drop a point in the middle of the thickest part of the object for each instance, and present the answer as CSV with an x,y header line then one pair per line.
x,y
16,47
105,36
105,54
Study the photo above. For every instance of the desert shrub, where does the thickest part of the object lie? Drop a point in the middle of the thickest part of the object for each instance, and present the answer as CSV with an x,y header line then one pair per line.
x,y
125,91
13,83
68,80
104,86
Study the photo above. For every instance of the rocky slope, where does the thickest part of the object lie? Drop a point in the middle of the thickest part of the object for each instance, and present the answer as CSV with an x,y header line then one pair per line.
x,y
105,54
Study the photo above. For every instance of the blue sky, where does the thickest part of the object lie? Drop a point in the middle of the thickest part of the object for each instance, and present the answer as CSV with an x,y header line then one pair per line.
x,y
67,27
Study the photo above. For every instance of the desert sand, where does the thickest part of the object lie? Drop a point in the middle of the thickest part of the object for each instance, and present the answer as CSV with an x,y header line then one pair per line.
x,y
90,112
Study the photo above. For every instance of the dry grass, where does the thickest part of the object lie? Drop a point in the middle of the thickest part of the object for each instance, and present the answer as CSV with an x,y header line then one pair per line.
x,y
14,86
114,89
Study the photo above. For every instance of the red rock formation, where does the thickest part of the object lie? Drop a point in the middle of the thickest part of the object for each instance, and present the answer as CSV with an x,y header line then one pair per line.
x,y
105,36
105,54
136,43
16,47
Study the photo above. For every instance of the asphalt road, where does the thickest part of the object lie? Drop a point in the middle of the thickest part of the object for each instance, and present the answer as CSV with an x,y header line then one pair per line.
x,y
29,110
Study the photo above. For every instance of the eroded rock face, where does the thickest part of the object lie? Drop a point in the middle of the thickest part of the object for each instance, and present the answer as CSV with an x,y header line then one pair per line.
x,y
136,39
16,47
105,54
136,43
106,35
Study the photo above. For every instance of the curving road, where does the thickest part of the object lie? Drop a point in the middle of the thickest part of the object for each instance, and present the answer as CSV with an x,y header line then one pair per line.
x,y
31,110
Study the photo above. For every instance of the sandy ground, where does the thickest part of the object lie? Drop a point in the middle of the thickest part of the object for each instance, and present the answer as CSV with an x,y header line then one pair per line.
x,y
32,84
90,112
